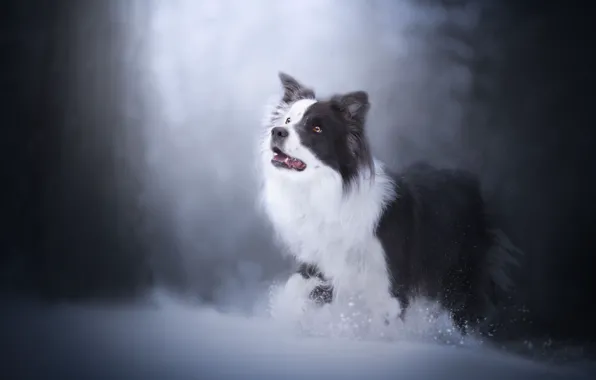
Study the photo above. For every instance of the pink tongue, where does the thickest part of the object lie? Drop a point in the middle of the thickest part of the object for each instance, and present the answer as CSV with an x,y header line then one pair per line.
x,y
294,163
291,162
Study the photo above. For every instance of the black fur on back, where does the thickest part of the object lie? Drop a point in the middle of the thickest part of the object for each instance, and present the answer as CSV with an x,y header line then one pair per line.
x,y
436,238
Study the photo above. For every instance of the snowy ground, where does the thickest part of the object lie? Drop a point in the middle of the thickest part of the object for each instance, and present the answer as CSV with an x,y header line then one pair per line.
x,y
173,341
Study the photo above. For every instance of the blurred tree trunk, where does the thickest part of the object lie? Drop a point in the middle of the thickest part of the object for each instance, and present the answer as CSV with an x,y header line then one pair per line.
x,y
74,97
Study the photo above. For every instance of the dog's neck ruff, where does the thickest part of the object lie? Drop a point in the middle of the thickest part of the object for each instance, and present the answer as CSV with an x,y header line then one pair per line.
x,y
323,223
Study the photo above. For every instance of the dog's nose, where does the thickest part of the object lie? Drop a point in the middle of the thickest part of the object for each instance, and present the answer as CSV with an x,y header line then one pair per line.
x,y
279,132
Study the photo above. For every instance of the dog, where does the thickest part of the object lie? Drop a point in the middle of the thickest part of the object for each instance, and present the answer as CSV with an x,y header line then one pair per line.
x,y
354,227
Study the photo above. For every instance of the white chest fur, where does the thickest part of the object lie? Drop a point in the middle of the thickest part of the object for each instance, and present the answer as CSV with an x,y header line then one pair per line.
x,y
322,225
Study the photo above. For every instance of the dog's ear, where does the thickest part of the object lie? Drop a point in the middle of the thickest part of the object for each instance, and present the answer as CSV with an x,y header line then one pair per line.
x,y
353,106
294,90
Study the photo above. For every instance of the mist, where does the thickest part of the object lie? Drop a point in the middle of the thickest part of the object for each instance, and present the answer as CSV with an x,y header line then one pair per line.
x,y
213,68
133,132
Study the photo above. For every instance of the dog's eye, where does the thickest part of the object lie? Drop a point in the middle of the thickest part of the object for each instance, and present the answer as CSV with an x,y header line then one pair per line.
x,y
288,120
317,129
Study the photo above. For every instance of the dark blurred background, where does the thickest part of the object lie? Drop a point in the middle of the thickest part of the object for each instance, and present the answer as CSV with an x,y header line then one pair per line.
x,y
81,219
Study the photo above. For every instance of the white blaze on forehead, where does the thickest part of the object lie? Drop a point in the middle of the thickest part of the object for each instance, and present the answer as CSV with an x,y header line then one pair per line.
x,y
298,109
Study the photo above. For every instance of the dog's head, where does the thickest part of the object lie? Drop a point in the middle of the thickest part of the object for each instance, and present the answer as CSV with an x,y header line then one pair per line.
x,y
307,138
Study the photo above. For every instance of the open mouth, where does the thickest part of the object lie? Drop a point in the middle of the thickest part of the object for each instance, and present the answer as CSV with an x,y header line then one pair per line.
x,y
282,160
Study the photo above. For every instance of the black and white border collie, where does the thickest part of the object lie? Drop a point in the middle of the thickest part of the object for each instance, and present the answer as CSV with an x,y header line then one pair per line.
x,y
355,228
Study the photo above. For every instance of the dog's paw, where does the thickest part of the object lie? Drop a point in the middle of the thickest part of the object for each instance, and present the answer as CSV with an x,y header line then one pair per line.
x,y
322,294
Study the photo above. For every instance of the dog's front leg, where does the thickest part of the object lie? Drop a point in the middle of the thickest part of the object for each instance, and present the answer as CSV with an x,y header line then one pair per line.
x,y
294,298
382,301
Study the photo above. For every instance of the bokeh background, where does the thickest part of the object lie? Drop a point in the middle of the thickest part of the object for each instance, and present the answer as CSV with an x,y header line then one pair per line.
x,y
129,128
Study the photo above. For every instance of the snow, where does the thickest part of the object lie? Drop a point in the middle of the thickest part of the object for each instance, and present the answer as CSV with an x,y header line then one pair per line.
x,y
172,340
